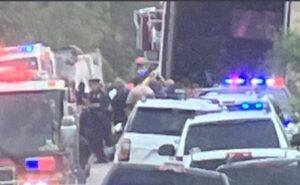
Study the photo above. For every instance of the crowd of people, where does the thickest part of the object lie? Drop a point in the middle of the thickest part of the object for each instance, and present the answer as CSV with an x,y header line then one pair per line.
x,y
108,104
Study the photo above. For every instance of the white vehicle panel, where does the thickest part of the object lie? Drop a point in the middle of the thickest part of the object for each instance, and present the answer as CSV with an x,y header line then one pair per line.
x,y
206,119
144,147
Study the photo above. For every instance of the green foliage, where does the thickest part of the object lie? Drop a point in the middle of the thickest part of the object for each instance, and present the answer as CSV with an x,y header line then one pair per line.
x,y
286,51
108,25
108,72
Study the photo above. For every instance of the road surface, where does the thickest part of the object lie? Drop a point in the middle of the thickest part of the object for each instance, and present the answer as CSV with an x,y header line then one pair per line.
x,y
97,173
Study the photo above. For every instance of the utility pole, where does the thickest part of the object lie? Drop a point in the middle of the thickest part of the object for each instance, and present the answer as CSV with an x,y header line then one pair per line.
x,y
286,18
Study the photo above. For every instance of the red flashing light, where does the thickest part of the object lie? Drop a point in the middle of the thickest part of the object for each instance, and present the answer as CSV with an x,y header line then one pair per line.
x,y
279,82
276,82
47,164
40,164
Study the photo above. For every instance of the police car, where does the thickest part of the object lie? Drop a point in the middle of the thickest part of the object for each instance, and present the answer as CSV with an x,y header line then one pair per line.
x,y
155,122
271,90
210,140
263,86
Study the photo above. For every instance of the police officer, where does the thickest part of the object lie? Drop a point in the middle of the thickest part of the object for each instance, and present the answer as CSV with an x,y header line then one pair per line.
x,y
100,125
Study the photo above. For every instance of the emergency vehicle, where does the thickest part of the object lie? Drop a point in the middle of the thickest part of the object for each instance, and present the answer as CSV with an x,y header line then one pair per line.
x,y
154,122
273,87
39,136
27,60
208,141
82,68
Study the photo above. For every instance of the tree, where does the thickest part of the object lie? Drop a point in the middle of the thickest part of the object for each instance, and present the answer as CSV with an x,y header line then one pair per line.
x,y
285,60
86,24
285,51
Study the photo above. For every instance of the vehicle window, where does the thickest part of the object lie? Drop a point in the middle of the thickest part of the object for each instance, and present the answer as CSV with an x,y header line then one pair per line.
x,y
280,95
278,111
159,121
27,129
156,177
266,176
232,134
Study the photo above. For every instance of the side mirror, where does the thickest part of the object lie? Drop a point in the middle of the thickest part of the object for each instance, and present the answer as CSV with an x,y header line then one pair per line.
x,y
295,140
118,128
68,131
167,150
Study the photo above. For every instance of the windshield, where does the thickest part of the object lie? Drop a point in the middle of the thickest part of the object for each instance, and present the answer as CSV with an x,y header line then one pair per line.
x,y
232,134
288,175
279,94
160,121
27,120
156,177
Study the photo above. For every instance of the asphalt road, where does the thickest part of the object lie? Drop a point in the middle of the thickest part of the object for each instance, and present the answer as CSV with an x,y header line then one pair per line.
x,y
97,173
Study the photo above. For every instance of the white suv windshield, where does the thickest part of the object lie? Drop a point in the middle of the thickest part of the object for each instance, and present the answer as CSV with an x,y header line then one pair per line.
x,y
160,121
235,134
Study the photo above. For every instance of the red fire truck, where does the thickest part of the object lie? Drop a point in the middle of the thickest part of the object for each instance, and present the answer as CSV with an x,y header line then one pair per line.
x,y
39,133
29,61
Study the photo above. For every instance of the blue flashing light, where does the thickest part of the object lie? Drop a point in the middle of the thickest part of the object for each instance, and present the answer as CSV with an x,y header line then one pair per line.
x,y
27,48
245,106
32,164
252,106
287,121
258,81
228,81
237,81
240,81
258,105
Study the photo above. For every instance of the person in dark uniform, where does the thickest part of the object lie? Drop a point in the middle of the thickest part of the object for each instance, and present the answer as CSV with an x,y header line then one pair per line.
x,y
99,120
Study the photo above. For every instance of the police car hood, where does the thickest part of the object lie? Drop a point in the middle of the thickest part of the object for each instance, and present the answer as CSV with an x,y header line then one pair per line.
x,y
255,153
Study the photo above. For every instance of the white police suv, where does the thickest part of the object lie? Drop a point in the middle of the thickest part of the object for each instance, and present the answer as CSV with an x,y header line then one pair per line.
x,y
155,122
211,140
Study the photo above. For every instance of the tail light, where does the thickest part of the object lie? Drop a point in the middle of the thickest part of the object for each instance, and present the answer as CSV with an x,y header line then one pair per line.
x,y
124,153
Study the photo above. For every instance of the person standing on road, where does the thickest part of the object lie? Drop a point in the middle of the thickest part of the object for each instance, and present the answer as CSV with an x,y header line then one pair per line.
x,y
139,91
81,97
118,95
99,120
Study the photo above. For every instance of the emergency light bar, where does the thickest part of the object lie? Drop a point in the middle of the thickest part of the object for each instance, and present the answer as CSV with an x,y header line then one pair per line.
x,y
258,81
18,49
40,164
27,49
247,106
234,81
